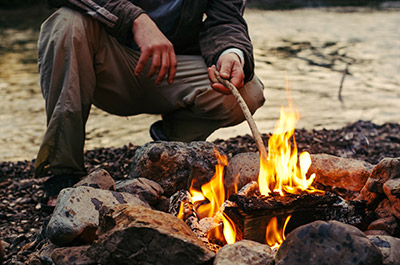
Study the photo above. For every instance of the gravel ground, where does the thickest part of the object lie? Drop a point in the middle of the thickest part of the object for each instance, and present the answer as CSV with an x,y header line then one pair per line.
x,y
21,218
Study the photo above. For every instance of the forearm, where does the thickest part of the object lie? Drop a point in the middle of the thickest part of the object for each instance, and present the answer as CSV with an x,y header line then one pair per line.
x,y
116,16
225,28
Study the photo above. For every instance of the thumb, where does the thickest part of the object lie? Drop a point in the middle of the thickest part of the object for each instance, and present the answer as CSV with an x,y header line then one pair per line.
x,y
226,69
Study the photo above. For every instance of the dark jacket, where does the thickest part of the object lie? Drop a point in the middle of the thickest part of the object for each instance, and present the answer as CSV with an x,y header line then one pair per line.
x,y
205,27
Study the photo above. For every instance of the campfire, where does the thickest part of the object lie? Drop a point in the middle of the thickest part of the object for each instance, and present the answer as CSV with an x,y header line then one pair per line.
x,y
282,172
185,203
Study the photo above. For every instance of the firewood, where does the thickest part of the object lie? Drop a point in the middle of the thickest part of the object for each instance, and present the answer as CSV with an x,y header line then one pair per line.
x,y
252,214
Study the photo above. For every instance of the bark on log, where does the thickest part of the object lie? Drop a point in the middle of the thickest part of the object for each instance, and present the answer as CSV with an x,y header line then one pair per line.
x,y
253,214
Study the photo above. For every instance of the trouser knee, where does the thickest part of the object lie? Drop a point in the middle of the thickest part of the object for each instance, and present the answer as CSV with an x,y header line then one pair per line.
x,y
66,27
253,95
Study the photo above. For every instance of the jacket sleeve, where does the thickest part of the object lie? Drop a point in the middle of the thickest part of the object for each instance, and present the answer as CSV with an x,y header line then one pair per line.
x,y
225,28
117,16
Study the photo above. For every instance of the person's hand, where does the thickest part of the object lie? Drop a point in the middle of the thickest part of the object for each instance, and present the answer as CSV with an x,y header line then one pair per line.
x,y
229,67
153,44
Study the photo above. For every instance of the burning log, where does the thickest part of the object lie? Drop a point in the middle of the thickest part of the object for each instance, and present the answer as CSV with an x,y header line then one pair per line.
x,y
253,214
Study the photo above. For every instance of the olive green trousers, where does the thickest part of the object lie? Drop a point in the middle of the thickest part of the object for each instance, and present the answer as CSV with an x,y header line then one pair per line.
x,y
80,64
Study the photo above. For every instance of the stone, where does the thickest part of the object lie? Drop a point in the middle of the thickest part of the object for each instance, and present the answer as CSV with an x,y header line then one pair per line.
x,y
388,224
384,209
242,169
76,215
370,198
327,243
245,252
139,235
99,179
2,253
392,191
389,247
174,165
72,256
386,169
340,173
146,189
376,233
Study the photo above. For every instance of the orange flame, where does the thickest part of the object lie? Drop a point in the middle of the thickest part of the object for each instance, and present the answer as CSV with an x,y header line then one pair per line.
x,y
274,236
282,170
229,229
181,213
210,199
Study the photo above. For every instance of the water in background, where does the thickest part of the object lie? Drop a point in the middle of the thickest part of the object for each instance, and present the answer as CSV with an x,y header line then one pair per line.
x,y
312,47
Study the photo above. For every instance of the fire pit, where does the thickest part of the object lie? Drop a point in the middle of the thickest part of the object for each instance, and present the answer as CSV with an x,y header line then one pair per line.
x,y
283,191
266,218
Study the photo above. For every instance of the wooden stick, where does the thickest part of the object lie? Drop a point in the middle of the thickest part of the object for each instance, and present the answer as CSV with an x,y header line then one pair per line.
x,y
246,112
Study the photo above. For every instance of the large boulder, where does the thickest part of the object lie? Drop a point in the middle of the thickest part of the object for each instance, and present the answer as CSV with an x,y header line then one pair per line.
x,y
76,216
175,164
245,252
329,243
139,235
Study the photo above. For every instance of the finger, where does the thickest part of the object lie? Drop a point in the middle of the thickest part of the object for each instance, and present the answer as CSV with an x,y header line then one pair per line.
x,y
215,84
221,88
172,68
144,57
226,68
155,65
164,69
211,74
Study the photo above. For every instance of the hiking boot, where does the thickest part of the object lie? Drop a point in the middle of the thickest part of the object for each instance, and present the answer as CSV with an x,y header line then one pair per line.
x,y
157,131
